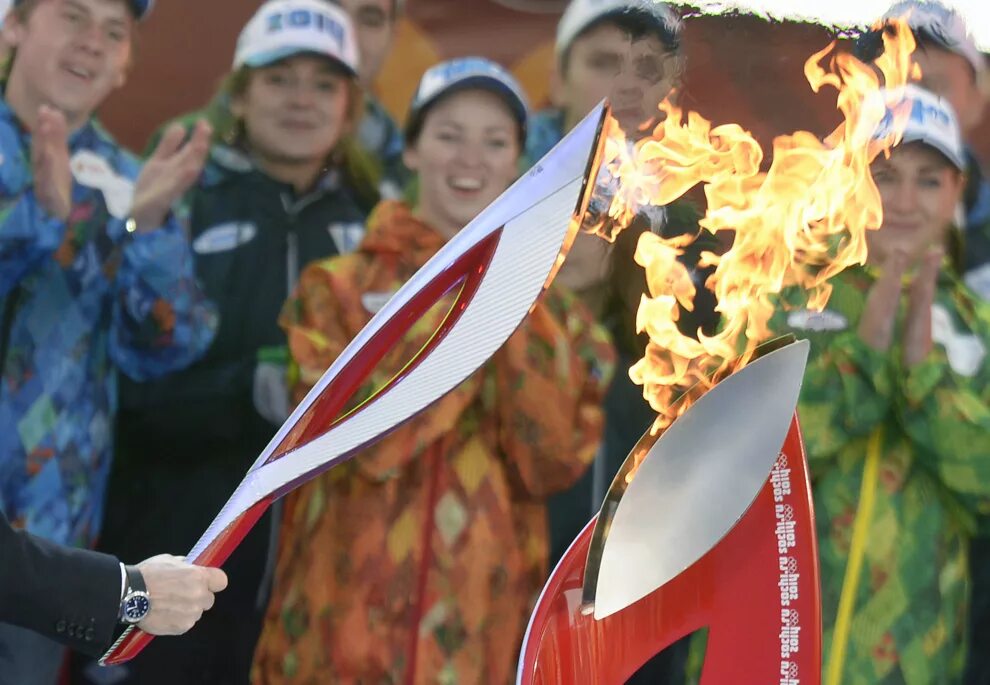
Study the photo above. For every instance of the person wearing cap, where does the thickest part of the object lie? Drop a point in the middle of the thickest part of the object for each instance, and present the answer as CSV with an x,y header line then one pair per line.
x,y
628,51
96,275
270,200
417,562
954,67
373,155
895,416
371,159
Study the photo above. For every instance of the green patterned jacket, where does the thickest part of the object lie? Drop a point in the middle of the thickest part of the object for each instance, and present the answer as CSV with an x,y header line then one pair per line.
x,y
908,604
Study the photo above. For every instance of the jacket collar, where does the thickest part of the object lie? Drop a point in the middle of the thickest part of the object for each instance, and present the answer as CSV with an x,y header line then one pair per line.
x,y
394,229
227,163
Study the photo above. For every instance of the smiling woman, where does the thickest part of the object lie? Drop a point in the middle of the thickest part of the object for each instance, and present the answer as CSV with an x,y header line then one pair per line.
x,y
417,561
464,154
272,198
898,383
292,114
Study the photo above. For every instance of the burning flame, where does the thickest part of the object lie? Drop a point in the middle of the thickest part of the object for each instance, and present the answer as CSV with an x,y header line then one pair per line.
x,y
798,224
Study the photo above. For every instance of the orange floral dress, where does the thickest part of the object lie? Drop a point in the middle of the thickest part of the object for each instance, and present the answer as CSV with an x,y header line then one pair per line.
x,y
418,561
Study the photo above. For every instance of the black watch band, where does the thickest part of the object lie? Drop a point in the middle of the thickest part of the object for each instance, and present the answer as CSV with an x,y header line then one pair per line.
x,y
135,581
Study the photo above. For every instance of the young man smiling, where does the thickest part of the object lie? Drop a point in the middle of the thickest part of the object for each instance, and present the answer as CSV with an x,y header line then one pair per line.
x,y
95,276
628,51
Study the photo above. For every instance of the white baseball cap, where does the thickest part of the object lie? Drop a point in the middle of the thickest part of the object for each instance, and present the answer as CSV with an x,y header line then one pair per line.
x,y
461,73
942,25
930,120
283,28
580,14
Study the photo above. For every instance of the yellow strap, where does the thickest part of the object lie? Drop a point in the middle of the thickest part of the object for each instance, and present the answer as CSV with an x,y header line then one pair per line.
x,y
850,583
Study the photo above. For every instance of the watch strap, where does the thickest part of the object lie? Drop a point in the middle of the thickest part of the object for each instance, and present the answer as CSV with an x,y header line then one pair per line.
x,y
135,581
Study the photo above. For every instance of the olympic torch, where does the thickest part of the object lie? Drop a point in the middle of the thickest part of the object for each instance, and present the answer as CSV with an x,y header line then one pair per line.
x,y
709,523
498,266
711,528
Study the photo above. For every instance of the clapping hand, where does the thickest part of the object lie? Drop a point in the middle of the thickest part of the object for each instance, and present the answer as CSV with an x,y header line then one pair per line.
x,y
169,173
876,327
50,163
921,297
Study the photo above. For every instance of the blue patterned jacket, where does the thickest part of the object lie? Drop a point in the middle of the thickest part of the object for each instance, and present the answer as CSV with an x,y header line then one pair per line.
x,y
80,300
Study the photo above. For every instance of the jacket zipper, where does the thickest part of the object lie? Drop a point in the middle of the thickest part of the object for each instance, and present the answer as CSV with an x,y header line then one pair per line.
x,y
292,268
292,211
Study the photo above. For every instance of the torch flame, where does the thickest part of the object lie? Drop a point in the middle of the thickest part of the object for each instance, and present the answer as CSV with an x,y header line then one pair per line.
x,y
798,224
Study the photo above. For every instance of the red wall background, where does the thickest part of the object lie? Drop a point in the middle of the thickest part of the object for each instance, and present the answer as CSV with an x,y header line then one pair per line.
x,y
740,68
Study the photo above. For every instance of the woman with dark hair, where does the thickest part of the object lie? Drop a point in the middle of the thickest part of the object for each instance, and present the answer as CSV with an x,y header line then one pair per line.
x,y
895,416
419,560
271,198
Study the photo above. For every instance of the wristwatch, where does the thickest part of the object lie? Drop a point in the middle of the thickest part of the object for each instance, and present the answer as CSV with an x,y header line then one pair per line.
x,y
135,603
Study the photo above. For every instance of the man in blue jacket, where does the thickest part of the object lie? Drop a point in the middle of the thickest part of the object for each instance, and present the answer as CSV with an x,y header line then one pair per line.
x,y
95,276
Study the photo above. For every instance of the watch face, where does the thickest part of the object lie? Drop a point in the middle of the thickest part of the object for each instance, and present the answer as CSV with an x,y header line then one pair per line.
x,y
136,607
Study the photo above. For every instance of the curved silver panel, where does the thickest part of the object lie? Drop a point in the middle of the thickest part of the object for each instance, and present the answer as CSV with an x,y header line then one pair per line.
x,y
697,480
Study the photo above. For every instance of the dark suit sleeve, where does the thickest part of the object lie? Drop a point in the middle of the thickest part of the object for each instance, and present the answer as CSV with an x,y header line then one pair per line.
x,y
69,595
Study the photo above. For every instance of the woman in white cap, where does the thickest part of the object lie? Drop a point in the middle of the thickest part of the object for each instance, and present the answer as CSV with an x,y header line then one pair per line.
x,y
895,414
270,200
372,157
418,561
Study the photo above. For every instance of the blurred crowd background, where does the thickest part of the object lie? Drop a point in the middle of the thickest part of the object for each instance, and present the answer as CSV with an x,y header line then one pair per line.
x,y
151,348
